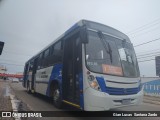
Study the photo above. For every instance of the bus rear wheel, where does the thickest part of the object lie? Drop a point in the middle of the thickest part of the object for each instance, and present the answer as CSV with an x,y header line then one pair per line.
x,y
28,88
57,101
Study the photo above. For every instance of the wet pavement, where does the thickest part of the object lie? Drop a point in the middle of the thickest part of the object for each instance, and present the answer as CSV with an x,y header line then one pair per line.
x,y
5,103
14,97
9,102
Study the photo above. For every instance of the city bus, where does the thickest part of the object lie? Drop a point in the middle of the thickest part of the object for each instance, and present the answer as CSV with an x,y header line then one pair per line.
x,y
91,66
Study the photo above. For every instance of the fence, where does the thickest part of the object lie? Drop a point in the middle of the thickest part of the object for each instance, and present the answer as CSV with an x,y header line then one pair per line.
x,y
152,88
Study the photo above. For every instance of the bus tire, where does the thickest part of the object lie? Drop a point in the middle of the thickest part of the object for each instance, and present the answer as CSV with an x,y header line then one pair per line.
x,y
57,101
28,88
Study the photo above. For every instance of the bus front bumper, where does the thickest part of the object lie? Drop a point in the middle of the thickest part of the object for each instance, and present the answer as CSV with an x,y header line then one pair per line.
x,y
100,101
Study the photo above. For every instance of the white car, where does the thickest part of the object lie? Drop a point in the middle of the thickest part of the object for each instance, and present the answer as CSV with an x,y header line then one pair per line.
x,y
15,80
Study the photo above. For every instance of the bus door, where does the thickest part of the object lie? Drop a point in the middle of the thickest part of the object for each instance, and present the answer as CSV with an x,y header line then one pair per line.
x,y
72,67
25,75
35,64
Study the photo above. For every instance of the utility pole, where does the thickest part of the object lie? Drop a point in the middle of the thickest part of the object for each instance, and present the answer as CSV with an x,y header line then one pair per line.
x,y
157,65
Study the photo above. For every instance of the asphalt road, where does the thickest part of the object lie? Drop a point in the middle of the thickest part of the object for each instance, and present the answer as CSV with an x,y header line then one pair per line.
x,y
41,103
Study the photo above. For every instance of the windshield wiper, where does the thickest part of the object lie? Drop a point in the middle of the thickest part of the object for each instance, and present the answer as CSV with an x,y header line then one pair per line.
x,y
109,51
106,45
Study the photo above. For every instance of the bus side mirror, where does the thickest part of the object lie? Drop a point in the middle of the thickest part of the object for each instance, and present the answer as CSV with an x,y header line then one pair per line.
x,y
83,35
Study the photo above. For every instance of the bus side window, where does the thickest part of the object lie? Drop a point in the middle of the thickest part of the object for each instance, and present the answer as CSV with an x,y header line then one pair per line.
x,y
40,61
31,66
57,53
46,53
52,49
51,57
26,71
46,58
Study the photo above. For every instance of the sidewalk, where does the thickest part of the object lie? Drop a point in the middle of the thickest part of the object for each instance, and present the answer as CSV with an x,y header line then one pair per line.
x,y
151,99
9,101
5,102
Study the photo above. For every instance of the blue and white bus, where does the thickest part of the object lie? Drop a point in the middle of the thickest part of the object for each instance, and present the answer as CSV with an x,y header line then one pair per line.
x,y
91,66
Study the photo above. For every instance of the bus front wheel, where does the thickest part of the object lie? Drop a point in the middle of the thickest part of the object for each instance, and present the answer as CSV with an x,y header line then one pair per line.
x,y
57,97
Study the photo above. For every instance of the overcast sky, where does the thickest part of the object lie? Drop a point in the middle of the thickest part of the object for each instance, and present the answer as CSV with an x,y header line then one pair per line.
x,y
27,26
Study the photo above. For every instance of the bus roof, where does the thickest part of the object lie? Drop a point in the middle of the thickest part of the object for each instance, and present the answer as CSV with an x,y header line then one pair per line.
x,y
105,29
99,27
90,25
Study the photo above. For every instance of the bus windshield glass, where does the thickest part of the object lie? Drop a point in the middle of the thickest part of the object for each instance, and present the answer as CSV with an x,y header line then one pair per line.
x,y
109,55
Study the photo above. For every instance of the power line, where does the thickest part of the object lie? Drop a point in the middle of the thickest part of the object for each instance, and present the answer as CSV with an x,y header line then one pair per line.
x,y
147,42
147,56
146,60
17,53
149,51
143,26
12,64
144,29
8,60
149,31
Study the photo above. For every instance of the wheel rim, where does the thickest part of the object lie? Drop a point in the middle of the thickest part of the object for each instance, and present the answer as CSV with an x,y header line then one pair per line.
x,y
56,95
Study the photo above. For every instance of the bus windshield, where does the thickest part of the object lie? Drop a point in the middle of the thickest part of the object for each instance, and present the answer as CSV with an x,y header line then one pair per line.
x,y
110,55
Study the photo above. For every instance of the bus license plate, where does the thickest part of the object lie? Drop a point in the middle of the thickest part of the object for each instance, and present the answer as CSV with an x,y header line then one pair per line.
x,y
126,101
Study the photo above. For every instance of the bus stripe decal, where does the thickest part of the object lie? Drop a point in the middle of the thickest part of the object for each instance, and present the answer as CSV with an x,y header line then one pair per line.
x,y
81,89
55,75
71,103
101,83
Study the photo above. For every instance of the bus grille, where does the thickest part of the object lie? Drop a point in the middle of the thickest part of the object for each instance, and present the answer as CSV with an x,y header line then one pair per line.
x,y
122,91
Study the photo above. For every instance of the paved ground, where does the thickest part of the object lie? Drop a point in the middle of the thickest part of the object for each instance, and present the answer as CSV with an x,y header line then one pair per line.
x,y
9,102
41,103
152,100
5,103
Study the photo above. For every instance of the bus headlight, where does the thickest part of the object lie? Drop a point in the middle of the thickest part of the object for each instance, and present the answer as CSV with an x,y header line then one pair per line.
x,y
93,83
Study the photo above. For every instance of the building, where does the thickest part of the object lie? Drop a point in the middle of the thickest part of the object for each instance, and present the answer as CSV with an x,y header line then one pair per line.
x,y
3,71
